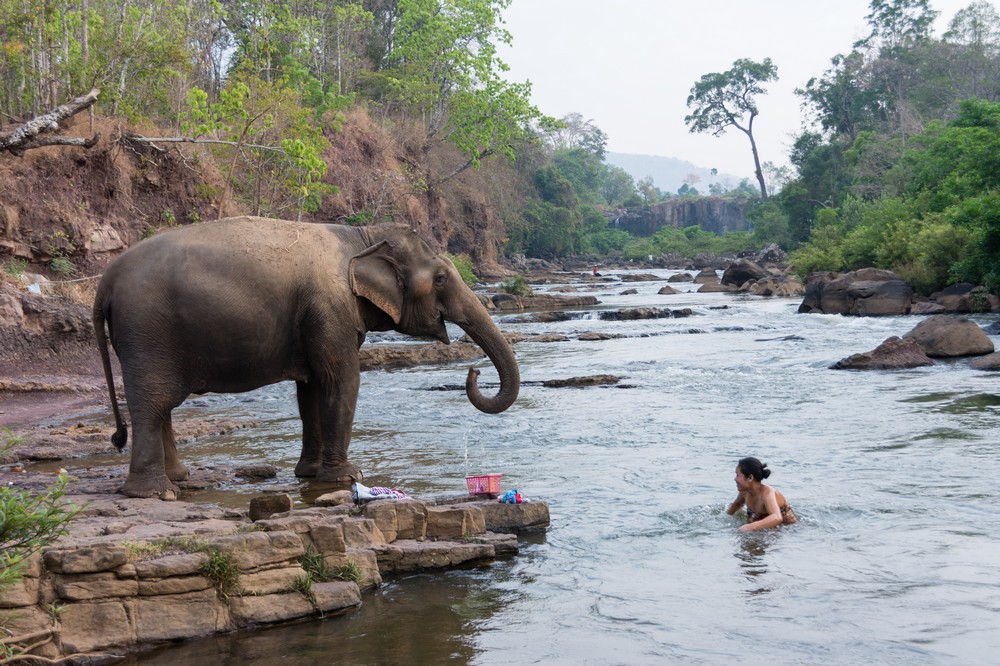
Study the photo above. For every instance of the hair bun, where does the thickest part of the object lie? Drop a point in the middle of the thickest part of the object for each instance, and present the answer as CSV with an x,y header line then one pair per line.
x,y
764,471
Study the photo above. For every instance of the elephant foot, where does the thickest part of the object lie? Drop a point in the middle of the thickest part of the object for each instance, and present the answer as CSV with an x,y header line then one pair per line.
x,y
341,474
308,468
145,487
178,473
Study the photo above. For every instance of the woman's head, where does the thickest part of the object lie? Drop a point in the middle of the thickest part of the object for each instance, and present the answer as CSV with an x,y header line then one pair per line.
x,y
752,468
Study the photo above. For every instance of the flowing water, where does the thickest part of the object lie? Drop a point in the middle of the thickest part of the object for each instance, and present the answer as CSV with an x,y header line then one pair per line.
x,y
893,475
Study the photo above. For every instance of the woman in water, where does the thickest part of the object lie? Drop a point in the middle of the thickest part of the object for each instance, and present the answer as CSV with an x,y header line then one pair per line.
x,y
766,507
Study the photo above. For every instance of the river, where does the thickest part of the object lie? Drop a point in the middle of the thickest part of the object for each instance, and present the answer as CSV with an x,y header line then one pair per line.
x,y
893,475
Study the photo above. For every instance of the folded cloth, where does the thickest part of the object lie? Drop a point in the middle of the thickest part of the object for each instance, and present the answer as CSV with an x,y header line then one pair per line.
x,y
363,493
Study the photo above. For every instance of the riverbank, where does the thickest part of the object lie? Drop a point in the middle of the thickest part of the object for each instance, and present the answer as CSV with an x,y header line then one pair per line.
x,y
135,573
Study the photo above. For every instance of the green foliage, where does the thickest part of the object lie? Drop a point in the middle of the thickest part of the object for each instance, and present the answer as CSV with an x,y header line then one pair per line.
x,y
770,225
824,251
979,217
60,247
349,572
443,64
16,267
222,570
516,286
251,124
463,264
360,218
29,521
688,242
62,266
931,215
315,565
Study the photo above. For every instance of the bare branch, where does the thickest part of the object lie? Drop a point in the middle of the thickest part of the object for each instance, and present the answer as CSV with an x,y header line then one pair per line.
x,y
184,139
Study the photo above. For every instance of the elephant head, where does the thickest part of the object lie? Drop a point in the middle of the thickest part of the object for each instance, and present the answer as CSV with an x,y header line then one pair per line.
x,y
419,290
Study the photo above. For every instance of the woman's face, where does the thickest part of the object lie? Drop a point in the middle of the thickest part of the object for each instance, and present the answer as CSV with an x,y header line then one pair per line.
x,y
742,482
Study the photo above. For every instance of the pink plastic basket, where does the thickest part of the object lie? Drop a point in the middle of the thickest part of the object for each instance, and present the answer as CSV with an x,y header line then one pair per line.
x,y
484,484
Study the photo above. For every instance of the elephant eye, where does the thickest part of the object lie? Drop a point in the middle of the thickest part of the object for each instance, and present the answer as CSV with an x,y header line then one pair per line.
x,y
440,279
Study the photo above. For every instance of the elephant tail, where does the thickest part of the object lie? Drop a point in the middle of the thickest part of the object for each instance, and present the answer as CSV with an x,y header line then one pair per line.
x,y
120,438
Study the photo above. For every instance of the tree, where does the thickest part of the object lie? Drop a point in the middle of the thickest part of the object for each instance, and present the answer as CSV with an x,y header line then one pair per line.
x,y
647,189
728,99
618,186
974,66
443,65
572,131
898,23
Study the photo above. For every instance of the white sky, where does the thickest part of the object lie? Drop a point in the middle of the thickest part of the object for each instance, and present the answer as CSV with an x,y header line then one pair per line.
x,y
629,65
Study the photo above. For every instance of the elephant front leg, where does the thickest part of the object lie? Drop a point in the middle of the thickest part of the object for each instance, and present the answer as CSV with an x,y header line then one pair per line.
x,y
309,399
336,422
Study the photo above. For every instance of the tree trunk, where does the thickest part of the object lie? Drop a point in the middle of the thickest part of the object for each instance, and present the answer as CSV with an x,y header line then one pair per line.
x,y
756,160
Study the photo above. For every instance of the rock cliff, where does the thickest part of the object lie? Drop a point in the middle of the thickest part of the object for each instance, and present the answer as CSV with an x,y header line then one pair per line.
x,y
713,214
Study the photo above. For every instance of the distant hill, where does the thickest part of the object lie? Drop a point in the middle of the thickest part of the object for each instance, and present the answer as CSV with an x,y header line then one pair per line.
x,y
668,173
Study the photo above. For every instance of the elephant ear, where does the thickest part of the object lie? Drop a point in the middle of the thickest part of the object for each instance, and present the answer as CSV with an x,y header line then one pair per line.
x,y
374,275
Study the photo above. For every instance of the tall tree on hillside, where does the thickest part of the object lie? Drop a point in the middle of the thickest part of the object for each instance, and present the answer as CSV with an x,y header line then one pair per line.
x,y
728,99
974,34
575,132
898,23
443,65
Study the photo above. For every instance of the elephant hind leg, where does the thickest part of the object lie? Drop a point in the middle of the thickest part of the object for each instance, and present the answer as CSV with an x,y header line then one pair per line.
x,y
147,475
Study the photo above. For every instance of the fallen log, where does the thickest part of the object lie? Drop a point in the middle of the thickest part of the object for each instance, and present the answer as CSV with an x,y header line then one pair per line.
x,y
27,136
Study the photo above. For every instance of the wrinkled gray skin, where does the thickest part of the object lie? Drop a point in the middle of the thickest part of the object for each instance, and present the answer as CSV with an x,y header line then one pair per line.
x,y
236,304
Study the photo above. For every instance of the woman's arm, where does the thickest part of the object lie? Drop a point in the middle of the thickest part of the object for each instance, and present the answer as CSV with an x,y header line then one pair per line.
x,y
736,504
772,519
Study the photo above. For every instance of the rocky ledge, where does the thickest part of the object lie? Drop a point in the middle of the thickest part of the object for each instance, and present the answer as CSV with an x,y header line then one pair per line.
x,y
135,573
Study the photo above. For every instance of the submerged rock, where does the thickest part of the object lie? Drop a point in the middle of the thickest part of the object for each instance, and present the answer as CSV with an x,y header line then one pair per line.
x,y
591,380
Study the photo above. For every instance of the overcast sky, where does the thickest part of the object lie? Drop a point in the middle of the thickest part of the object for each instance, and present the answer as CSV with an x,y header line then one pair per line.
x,y
629,65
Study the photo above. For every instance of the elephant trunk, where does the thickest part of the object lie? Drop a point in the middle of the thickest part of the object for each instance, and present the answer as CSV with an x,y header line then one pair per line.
x,y
485,333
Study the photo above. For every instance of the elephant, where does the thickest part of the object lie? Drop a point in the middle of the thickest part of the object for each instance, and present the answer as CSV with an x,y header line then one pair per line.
x,y
236,304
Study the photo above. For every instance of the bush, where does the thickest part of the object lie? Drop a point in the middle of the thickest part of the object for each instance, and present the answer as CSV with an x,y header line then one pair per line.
x,y
517,286
463,264
29,522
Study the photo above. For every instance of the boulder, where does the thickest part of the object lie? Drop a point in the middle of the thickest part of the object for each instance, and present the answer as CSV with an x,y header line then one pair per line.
x,y
667,290
866,292
706,275
893,354
966,297
741,271
640,277
988,362
948,336
103,238
927,308
263,507
681,277
633,314
710,287
778,286
771,254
